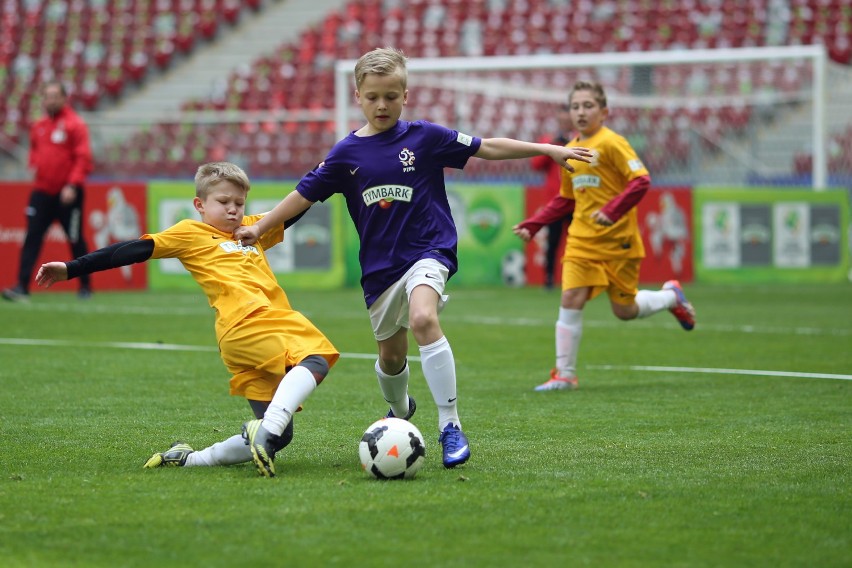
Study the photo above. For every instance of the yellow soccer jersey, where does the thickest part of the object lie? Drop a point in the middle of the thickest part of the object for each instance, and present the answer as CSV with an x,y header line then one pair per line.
x,y
592,185
237,280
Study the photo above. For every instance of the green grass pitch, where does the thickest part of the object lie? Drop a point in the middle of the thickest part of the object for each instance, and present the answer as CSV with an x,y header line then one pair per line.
x,y
727,446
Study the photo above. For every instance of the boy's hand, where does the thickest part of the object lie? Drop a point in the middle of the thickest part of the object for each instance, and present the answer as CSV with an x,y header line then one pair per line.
x,y
524,233
247,234
601,219
564,154
50,273
68,194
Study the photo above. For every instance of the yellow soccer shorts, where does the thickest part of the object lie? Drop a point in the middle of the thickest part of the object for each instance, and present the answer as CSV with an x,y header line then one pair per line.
x,y
260,350
619,277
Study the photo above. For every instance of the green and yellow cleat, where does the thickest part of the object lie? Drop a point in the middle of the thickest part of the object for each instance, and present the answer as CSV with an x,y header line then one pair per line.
x,y
175,456
263,445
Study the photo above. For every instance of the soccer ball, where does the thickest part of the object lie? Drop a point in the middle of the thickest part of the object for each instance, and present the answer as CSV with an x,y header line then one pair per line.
x,y
392,448
512,269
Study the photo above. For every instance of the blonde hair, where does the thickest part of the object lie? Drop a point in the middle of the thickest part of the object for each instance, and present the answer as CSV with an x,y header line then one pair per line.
x,y
595,88
211,174
382,61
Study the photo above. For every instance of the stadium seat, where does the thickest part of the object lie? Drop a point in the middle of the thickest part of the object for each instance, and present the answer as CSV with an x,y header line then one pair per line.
x,y
440,28
120,38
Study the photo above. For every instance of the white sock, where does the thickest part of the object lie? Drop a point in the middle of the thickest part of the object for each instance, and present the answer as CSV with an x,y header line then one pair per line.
x,y
439,369
569,330
395,389
652,301
227,452
292,391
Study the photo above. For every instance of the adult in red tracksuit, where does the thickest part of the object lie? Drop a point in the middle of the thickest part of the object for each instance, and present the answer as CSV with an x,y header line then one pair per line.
x,y
552,181
61,157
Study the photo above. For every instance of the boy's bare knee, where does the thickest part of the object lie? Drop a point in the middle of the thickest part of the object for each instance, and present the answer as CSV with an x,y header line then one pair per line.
x,y
625,313
422,321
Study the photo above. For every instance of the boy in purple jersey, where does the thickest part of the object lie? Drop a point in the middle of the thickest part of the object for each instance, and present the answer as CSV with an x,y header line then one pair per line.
x,y
390,172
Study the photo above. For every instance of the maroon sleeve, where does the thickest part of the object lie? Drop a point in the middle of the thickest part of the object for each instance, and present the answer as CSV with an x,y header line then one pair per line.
x,y
627,199
557,208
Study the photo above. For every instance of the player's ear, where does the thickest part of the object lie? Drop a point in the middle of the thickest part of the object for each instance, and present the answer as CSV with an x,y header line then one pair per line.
x,y
198,204
405,97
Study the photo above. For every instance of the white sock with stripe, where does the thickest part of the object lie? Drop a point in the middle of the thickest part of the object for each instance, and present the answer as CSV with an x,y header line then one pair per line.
x,y
569,330
292,391
652,301
395,389
227,452
439,369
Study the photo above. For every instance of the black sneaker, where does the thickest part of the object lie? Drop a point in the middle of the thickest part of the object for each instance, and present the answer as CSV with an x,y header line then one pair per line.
x,y
16,294
412,407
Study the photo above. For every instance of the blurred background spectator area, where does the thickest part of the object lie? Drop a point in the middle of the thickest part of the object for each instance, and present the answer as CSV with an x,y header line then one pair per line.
x,y
269,105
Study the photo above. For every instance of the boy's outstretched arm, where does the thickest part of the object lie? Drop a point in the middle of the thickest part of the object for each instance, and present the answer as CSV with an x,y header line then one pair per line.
x,y
292,205
557,208
112,256
509,149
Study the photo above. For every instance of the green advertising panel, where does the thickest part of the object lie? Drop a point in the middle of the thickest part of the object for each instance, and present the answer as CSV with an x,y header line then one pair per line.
x,y
489,253
311,256
770,235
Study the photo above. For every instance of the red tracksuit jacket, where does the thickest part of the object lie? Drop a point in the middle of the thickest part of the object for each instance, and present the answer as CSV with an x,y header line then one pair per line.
x,y
59,151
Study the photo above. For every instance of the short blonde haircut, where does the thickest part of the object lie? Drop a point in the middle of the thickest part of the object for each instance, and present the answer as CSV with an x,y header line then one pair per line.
x,y
211,174
596,89
382,61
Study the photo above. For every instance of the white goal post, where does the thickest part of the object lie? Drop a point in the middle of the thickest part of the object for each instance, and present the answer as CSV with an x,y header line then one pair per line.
x,y
658,88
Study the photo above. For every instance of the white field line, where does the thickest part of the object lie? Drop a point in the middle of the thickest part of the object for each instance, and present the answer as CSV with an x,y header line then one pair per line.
x,y
609,323
658,369
142,346
370,356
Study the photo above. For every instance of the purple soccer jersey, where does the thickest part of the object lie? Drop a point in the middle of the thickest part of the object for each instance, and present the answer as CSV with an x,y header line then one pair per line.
x,y
393,183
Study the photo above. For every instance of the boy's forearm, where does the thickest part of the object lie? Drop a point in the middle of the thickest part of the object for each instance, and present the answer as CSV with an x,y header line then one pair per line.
x,y
556,209
508,149
291,206
627,199
112,256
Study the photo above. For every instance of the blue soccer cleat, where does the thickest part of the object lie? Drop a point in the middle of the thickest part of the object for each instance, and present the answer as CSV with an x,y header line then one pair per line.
x,y
454,445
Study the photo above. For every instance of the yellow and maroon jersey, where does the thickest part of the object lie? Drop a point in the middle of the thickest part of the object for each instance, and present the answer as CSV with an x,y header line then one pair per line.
x,y
237,280
592,185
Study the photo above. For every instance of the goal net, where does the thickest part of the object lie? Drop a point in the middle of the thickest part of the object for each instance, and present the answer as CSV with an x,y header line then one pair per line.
x,y
745,116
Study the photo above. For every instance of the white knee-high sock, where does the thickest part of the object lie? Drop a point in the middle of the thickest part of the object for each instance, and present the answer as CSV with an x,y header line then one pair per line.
x,y
227,452
569,330
439,369
293,390
652,301
395,389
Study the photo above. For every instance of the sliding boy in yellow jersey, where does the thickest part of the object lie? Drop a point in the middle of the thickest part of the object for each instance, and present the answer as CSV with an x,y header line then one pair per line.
x,y
276,357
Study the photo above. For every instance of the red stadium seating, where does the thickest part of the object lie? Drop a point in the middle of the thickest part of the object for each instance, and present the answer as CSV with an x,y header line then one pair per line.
x,y
122,45
97,51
